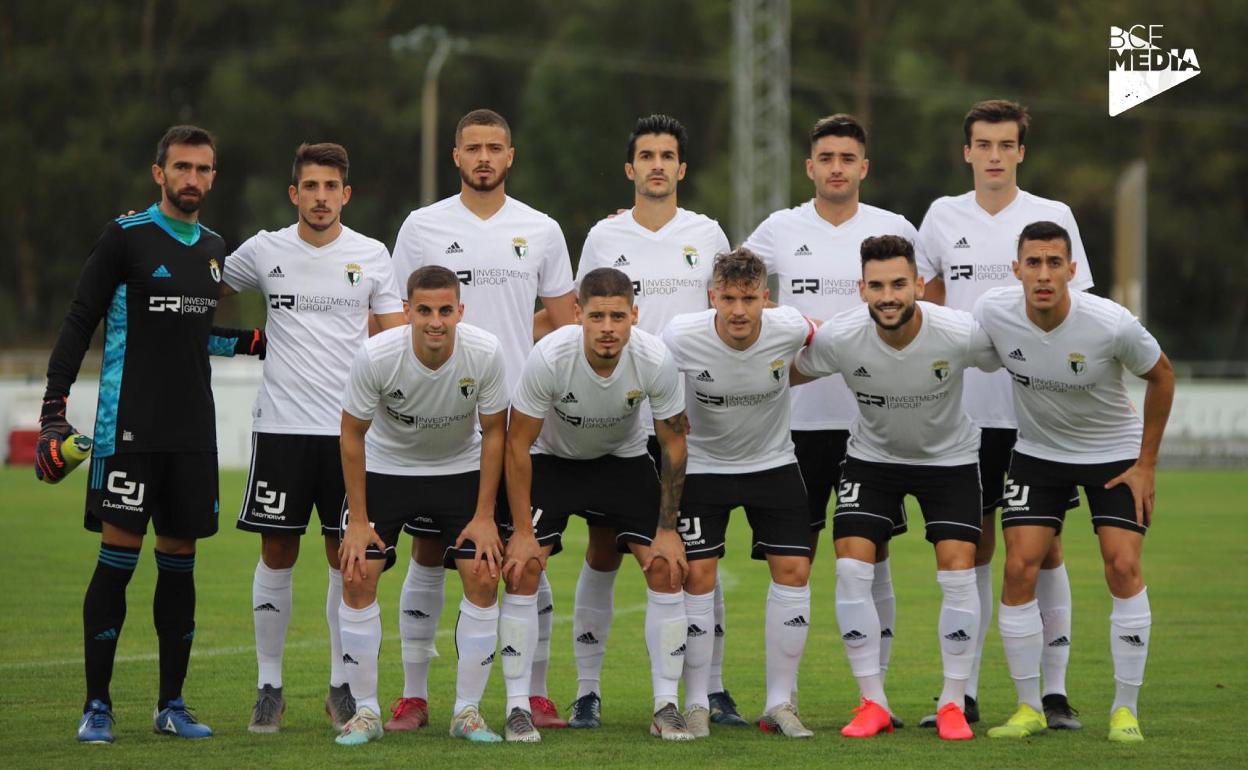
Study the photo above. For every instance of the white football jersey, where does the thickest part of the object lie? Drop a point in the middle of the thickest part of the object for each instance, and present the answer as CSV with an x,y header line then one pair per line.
x,y
425,420
818,265
909,401
1072,405
738,408
504,264
973,251
670,269
318,302
588,416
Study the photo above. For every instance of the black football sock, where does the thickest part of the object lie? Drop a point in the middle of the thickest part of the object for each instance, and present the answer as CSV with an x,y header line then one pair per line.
x,y
173,610
103,613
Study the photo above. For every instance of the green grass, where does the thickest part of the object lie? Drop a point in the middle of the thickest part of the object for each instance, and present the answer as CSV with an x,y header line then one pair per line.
x,y
1195,565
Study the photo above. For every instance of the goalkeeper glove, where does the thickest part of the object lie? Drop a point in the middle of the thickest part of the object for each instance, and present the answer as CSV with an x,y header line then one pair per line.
x,y
51,464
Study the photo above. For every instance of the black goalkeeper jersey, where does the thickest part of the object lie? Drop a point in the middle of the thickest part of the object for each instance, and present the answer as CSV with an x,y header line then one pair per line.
x,y
158,296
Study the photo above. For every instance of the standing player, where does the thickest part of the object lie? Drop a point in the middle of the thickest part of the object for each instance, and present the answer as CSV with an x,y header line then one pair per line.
x,y
1066,351
904,361
321,279
813,248
410,448
506,255
736,358
966,246
589,454
155,279
666,251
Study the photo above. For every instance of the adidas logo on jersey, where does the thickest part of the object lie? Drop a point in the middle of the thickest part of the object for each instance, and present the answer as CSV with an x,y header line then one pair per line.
x,y
704,376
862,372
695,630
348,659
587,638
621,262
509,652
417,614
276,272
802,251
162,272
266,607
454,248
107,635
962,244
958,636
678,651
396,393
569,399
853,636
549,608
797,622
1060,641
1017,354
1132,639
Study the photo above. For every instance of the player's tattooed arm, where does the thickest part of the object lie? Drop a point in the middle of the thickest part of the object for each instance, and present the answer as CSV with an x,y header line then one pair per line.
x,y
671,434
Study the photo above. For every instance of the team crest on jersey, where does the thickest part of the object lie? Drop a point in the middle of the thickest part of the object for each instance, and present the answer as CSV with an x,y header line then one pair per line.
x,y
691,256
632,398
215,269
519,247
777,369
940,370
467,386
355,274
1078,362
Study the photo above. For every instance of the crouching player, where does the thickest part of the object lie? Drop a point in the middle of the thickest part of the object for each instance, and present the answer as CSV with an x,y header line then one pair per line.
x,y
575,443
411,451
1065,351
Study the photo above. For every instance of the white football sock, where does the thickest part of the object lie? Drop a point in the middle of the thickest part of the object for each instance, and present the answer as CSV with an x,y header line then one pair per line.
x,y
517,639
784,634
859,623
545,625
666,625
699,612
1053,594
271,600
1130,624
476,636
1022,635
333,600
716,683
959,625
886,608
420,609
983,584
361,642
591,626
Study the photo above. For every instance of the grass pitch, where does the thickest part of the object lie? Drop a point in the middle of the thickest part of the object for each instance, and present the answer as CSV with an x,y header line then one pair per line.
x,y
1196,566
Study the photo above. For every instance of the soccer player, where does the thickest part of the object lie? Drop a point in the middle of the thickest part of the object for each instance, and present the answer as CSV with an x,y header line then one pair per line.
x,y
577,410
813,249
411,449
904,361
155,279
966,246
506,255
321,280
1066,351
666,251
735,358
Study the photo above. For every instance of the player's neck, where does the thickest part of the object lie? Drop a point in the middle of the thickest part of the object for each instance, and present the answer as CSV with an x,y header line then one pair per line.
x,y
736,344
319,238
654,213
993,201
483,203
432,359
836,213
173,212
903,335
1048,319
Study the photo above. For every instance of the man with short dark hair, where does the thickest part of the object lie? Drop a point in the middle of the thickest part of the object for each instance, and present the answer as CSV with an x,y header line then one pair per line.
x,y
1065,352
506,255
904,361
966,245
154,278
321,280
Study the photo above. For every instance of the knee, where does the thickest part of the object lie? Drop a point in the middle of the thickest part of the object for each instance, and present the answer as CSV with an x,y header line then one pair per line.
x,y
602,553
427,551
1054,558
481,590
701,578
358,594
791,571
1122,573
279,551
987,545
526,584
1021,571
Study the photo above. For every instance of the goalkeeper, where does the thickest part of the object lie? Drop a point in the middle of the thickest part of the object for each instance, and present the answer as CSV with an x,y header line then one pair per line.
x,y
155,279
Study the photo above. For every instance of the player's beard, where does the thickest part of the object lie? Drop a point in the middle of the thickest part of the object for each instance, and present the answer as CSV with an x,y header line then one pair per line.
x,y
187,206
657,195
471,180
907,313
320,228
